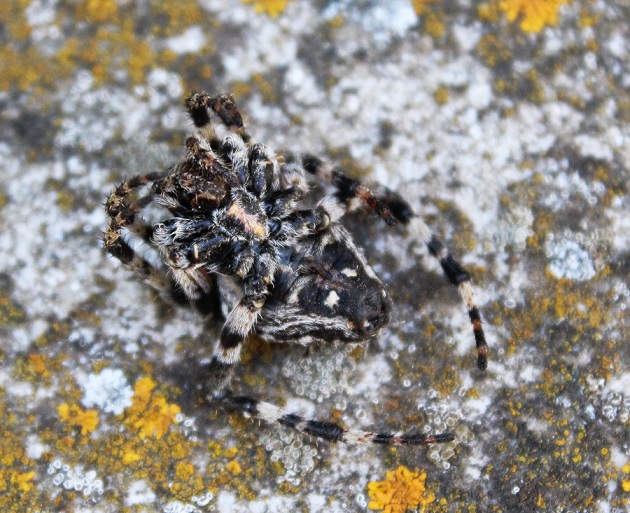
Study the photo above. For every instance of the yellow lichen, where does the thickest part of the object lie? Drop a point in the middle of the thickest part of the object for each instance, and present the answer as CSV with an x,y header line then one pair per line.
x,y
234,468
434,25
489,12
534,14
87,420
174,17
421,6
150,413
130,456
37,365
230,452
625,484
97,11
401,490
271,7
184,471
142,393
23,481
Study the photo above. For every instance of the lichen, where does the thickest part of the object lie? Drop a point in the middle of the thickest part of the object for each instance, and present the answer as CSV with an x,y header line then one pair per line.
x,y
625,483
534,15
421,6
87,420
150,413
234,468
11,313
271,7
102,36
401,490
23,480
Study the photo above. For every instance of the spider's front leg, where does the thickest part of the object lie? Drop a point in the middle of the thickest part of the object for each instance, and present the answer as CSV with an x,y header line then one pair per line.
x,y
124,215
223,106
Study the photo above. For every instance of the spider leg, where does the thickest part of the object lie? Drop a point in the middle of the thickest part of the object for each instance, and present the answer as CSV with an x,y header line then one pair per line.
x,y
394,210
288,188
389,207
191,285
459,277
227,352
123,215
323,430
262,169
223,106
301,223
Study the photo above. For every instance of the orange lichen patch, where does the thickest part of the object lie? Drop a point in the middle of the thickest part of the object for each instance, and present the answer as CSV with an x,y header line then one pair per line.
x,y
449,381
11,313
13,19
534,14
129,455
101,35
587,18
234,468
184,471
150,413
230,452
37,364
87,420
421,6
142,394
625,483
271,7
16,75
493,50
489,12
401,490
23,481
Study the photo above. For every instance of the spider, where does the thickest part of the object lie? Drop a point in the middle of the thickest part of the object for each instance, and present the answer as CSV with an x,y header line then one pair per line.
x,y
235,233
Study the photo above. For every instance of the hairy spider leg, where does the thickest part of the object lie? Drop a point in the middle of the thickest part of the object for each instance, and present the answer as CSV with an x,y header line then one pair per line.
x,y
329,431
394,210
124,214
223,106
261,171
227,352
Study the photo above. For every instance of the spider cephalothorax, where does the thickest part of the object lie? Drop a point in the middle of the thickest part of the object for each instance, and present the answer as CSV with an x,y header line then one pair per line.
x,y
236,231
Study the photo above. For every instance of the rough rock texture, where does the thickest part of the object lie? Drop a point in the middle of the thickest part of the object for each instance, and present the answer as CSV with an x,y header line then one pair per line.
x,y
505,123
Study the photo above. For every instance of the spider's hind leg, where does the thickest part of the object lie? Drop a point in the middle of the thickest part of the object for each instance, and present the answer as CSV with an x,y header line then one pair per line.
x,y
329,431
388,205
394,210
459,277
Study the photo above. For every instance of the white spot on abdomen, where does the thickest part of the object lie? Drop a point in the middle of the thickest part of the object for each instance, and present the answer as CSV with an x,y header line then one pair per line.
x,y
332,300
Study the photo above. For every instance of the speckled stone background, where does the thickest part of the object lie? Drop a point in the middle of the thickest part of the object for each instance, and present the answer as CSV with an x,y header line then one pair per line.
x,y
505,123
